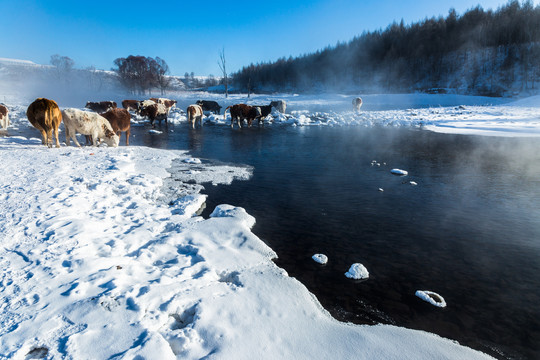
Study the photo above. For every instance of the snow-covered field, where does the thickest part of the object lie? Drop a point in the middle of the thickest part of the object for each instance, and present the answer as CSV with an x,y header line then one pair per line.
x,y
98,263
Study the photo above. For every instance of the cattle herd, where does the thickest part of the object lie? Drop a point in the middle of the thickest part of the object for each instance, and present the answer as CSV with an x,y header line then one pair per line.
x,y
106,121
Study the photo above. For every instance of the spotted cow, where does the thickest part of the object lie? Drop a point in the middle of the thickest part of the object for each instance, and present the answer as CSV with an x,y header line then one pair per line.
x,y
4,117
88,123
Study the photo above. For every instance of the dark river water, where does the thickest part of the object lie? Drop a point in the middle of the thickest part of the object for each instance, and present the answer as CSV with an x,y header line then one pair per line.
x,y
470,229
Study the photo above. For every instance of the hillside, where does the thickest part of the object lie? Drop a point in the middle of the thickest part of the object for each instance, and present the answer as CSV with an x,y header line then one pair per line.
x,y
481,52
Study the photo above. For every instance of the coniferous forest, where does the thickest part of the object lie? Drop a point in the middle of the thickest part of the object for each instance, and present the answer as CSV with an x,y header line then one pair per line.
x,y
481,52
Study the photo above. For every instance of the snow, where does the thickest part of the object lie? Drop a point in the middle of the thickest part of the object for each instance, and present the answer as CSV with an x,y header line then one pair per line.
x,y
320,258
453,114
357,271
192,161
98,261
431,297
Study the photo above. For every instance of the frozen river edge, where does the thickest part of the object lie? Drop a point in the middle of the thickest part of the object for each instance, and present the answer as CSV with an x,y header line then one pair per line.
x,y
96,266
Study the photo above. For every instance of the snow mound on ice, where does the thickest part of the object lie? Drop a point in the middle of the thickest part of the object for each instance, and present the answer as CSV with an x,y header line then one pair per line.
x,y
320,258
431,297
235,212
399,172
192,161
357,271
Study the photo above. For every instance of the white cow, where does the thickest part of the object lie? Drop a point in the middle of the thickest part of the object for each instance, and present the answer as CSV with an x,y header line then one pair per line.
x,y
88,123
357,104
195,113
4,117
280,105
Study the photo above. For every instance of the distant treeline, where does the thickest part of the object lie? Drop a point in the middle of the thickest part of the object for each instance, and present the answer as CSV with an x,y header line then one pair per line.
x,y
480,52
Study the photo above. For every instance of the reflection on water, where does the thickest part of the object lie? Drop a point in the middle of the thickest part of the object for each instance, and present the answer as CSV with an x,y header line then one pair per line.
x,y
469,230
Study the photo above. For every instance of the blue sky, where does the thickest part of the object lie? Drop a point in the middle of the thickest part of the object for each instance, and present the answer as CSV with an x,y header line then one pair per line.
x,y
189,35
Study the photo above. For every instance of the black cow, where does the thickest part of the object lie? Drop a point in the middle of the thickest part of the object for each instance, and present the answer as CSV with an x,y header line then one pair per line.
x,y
208,105
265,111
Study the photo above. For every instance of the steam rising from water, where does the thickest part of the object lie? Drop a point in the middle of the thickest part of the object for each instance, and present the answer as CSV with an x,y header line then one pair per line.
x,y
20,86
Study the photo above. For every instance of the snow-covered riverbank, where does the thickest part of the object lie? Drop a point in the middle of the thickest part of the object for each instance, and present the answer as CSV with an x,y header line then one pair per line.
x,y
97,265
455,114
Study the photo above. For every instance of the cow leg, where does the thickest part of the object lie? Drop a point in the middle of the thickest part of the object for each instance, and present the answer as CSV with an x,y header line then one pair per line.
x,y
43,137
67,135
73,135
127,136
49,138
95,138
56,137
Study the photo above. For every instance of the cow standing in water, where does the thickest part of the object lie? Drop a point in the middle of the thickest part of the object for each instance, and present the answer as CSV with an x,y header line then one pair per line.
x,y
195,113
357,104
101,107
153,111
45,115
208,105
240,112
265,111
130,104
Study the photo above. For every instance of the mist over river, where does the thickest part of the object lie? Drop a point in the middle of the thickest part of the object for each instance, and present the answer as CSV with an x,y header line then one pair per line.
x,y
469,230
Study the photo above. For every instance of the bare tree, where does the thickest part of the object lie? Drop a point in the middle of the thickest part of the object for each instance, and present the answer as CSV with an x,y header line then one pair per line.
x,y
222,65
162,69
141,74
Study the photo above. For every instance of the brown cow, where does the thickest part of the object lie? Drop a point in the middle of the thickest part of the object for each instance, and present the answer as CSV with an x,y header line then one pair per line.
x,y
241,112
195,113
168,103
120,120
45,115
357,104
153,111
130,104
4,116
100,107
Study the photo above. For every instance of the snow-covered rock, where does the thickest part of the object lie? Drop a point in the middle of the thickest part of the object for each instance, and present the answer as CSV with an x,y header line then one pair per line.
x,y
431,297
320,258
399,172
357,271
192,161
